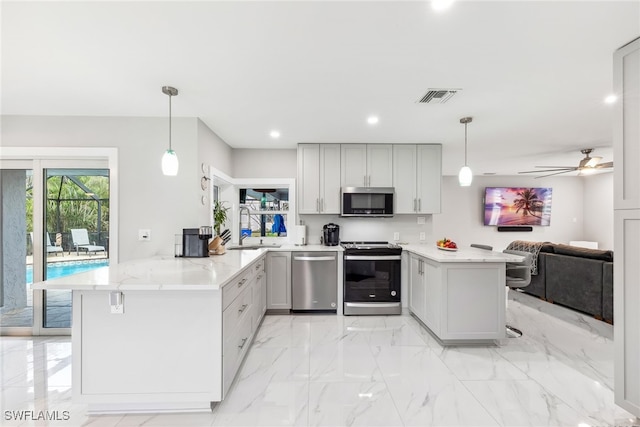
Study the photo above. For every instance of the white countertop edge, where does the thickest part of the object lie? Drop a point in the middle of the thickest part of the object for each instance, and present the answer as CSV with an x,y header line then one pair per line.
x,y
157,274
461,255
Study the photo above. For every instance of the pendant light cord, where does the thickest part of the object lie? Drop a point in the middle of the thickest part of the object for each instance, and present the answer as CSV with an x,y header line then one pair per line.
x,y
465,143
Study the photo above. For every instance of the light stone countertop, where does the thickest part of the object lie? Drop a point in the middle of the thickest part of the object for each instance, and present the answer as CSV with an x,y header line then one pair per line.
x,y
430,251
170,273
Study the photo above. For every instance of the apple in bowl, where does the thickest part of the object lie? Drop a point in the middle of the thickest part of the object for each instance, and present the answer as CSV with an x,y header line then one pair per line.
x,y
447,244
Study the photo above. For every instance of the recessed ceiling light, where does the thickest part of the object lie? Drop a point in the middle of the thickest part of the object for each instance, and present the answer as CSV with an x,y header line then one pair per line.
x,y
440,5
610,99
372,120
274,134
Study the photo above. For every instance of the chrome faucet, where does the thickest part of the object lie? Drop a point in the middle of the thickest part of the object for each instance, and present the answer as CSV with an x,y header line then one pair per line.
x,y
240,236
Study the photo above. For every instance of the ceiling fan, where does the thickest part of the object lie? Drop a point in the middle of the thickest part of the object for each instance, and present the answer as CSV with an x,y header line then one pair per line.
x,y
586,165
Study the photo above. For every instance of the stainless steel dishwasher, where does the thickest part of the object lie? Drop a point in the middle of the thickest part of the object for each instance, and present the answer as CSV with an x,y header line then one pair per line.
x,y
314,281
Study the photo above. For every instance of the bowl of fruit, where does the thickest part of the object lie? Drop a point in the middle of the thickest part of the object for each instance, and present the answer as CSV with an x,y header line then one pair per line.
x,y
446,245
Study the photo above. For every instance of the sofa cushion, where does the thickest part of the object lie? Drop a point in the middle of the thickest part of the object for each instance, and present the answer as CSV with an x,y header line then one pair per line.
x,y
597,254
575,282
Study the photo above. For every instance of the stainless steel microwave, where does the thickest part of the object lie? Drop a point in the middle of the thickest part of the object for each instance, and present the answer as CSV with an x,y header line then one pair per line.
x,y
367,201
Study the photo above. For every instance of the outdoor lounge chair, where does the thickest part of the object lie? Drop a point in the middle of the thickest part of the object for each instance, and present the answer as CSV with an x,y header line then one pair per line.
x,y
80,238
51,248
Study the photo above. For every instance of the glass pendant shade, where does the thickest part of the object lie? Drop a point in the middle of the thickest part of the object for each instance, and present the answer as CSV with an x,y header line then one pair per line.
x,y
465,177
170,163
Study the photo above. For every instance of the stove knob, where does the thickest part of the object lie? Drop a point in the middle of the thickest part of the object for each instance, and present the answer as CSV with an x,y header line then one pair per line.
x,y
393,293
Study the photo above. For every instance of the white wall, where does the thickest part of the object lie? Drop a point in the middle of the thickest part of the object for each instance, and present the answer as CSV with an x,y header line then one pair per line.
x,y
462,211
148,199
212,151
264,163
598,209
462,216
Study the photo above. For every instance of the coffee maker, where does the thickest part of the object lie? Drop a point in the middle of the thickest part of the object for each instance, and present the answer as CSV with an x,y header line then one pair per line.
x,y
331,234
195,242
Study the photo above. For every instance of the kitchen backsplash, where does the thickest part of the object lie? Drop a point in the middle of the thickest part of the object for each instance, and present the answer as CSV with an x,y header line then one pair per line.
x,y
368,229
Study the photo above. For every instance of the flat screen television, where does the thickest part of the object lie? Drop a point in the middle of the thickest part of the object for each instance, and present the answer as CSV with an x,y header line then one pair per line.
x,y
515,206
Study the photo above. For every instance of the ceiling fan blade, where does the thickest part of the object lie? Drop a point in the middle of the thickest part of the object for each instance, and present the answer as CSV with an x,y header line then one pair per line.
x,y
558,167
551,170
557,173
604,165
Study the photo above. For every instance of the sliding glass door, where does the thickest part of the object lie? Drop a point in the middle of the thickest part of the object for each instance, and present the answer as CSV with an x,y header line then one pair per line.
x,y
54,222
76,232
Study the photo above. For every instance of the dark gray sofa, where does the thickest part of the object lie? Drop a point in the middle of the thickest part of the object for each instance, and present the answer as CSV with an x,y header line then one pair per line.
x,y
578,278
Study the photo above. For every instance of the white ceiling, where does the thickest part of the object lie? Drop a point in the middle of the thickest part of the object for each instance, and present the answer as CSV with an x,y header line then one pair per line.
x,y
533,74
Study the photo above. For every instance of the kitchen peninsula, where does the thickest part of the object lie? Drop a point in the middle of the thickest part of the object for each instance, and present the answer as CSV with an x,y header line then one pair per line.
x,y
163,333
459,295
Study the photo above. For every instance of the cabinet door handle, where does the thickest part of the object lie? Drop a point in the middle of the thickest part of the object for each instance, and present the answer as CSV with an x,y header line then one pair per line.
x,y
321,205
364,180
242,282
415,205
317,205
242,343
419,205
243,308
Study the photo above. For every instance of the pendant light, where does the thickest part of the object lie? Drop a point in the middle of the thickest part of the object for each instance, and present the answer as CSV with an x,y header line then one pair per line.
x,y
465,176
170,159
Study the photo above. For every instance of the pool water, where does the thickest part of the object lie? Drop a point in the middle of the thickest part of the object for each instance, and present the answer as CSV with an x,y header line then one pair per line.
x,y
61,269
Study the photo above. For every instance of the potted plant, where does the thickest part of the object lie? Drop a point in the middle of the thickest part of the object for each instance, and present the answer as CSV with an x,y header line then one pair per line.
x,y
220,214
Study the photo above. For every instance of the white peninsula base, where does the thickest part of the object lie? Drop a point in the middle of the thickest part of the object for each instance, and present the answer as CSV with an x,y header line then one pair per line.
x,y
165,334
459,296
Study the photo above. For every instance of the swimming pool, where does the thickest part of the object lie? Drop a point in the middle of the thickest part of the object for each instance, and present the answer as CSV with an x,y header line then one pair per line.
x,y
61,269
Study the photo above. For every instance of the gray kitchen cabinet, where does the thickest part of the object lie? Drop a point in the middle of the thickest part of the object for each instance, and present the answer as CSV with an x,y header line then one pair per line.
x,y
417,295
259,293
417,178
626,224
318,182
366,165
278,271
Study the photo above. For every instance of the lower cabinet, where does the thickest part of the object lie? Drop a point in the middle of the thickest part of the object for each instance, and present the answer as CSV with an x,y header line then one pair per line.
x,y
417,295
458,301
241,319
171,350
259,294
278,272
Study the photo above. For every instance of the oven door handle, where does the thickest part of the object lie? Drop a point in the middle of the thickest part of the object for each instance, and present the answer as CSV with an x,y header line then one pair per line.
x,y
372,304
372,257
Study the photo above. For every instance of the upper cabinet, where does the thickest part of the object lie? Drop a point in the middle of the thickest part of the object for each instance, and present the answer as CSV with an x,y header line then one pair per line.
x,y
366,165
415,171
626,129
417,178
318,180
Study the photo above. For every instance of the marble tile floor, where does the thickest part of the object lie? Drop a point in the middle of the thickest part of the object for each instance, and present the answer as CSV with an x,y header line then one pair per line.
x,y
369,371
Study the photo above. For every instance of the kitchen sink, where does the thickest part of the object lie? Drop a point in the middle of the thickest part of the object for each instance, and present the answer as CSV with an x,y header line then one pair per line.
x,y
251,247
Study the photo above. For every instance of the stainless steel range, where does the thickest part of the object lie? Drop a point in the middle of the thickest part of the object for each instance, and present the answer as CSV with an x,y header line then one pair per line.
x,y
372,278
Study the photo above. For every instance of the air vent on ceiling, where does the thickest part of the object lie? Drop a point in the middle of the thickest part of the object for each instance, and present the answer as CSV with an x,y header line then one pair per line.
x,y
437,96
